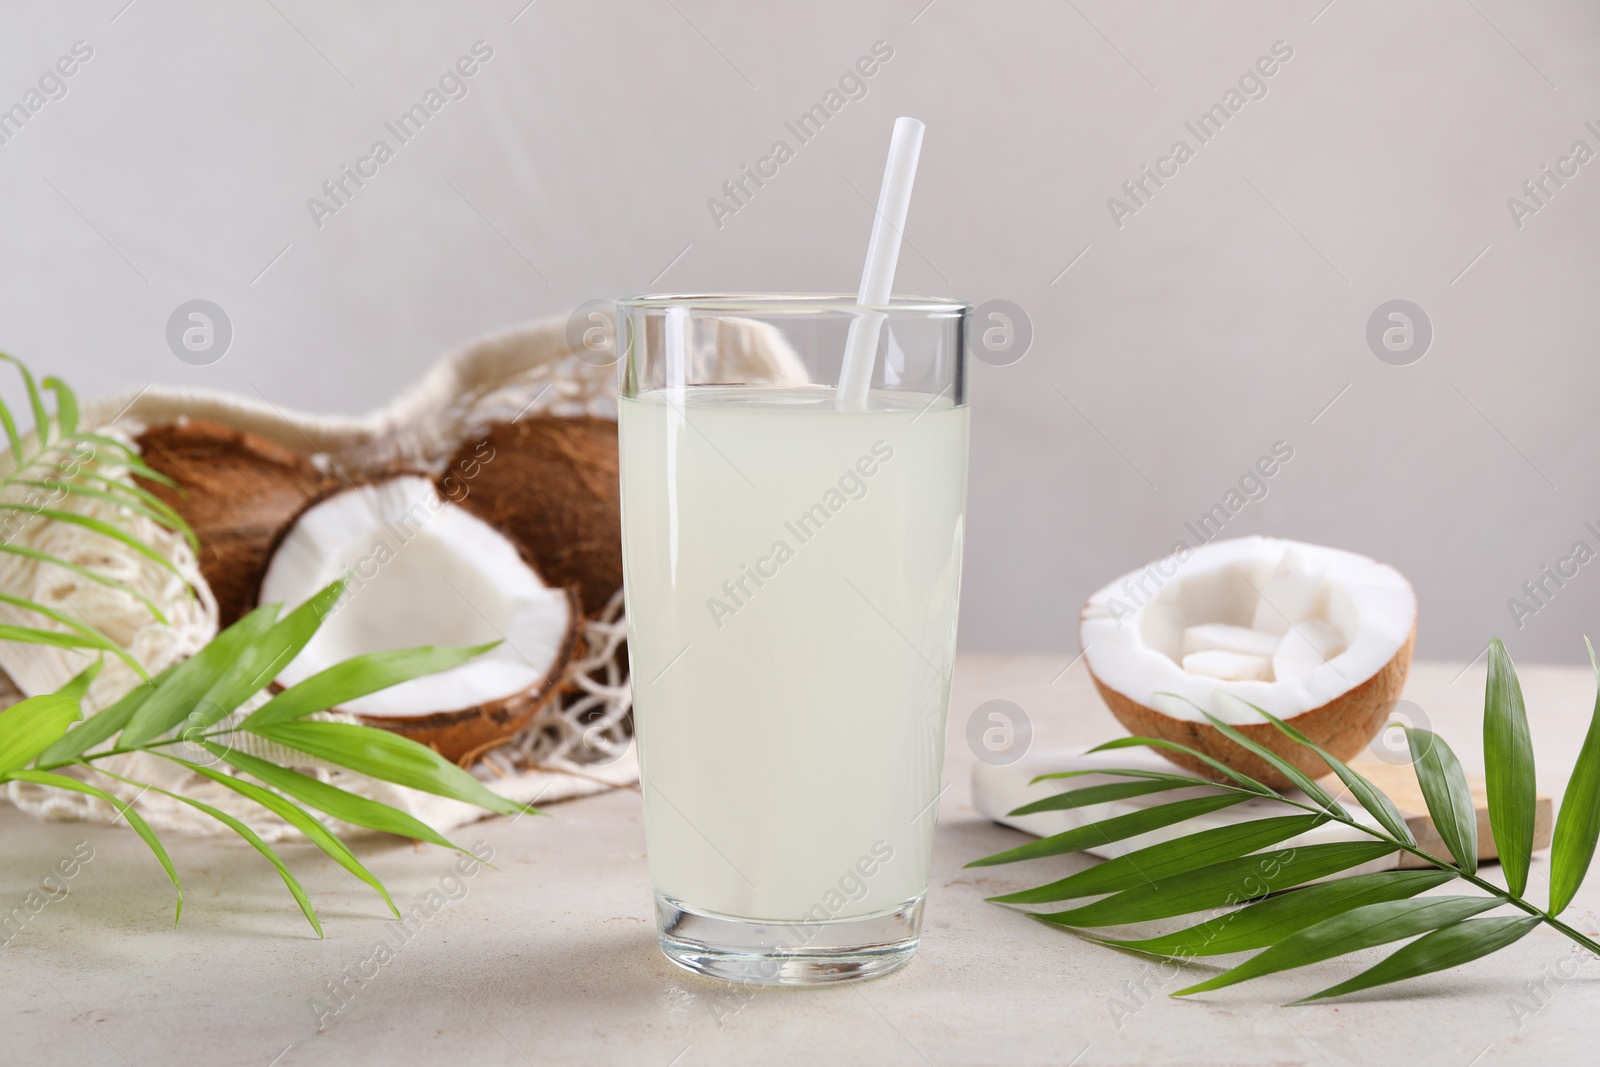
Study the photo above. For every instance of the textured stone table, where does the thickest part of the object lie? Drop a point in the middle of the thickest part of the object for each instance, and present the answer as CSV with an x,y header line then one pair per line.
x,y
552,958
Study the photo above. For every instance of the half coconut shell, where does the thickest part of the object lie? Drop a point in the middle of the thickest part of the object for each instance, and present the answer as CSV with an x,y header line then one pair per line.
x,y
422,571
1318,637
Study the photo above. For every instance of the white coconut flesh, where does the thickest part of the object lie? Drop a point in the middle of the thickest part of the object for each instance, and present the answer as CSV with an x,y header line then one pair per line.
x,y
1286,626
422,571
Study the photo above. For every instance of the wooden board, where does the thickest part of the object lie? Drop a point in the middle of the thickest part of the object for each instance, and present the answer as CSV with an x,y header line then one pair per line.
x,y
1400,783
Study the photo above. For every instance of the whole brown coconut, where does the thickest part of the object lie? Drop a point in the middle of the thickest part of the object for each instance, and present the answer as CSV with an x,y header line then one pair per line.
x,y
1341,727
238,492
551,483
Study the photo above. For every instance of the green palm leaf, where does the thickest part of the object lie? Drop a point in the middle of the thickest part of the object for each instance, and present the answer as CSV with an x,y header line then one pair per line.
x,y
1266,922
178,694
1172,746
161,514
330,799
89,574
140,493
1578,825
1439,950
389,757
140,827
1125,772
295,888
299,818
60,459
13,438
104,529
1113,829
32,635
1222,884
1351,931
29,727
1096,794
41,420
1301,780
101,727
356,677
1449,798
1373,799
262,659
93,637
81,681
1508,768
124,456
66,406
1167,858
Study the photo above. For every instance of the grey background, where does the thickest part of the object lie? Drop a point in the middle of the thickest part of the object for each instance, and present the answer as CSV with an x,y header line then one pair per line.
x,y
1226,315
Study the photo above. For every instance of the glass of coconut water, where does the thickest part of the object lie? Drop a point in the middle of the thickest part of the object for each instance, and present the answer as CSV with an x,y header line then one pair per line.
x,y
792,556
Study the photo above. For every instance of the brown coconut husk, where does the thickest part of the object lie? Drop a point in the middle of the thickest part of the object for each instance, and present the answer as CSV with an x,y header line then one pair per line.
x,y
1343,727
550,482
464,734
238,492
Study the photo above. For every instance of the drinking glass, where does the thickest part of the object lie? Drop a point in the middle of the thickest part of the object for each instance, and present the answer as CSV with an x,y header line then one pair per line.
x,y
792,560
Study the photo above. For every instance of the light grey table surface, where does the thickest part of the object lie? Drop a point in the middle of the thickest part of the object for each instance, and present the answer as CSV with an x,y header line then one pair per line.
x,y
552,959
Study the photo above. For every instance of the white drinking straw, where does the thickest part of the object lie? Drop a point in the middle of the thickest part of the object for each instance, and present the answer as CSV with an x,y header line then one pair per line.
x,y
679,346
883,253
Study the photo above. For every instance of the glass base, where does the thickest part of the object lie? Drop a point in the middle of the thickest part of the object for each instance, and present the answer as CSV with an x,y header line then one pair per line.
x,y
787,953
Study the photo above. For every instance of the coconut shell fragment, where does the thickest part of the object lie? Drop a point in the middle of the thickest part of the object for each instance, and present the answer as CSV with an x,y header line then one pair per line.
x,y
551,483
238,491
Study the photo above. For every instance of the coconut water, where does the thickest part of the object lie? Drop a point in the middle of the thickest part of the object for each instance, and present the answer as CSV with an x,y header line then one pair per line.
x,y
792,579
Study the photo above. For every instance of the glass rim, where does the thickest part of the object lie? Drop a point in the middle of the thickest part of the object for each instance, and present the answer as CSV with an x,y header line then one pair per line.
x,y
791,302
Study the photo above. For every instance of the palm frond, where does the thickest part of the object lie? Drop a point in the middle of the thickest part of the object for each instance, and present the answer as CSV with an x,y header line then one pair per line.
x,y
44,738
54,467
58,466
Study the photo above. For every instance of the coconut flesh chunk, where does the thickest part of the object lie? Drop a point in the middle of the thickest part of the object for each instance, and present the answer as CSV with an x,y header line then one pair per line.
x,y
1305,648
423,571
1289,595
1224,638
1283,641
1321,621
1219,663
